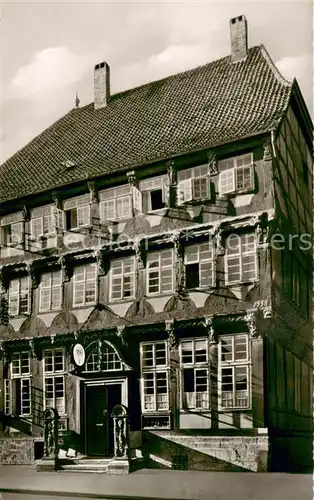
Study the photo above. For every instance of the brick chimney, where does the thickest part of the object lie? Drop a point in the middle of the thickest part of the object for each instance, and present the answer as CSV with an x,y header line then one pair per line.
x,y
238,38
101,85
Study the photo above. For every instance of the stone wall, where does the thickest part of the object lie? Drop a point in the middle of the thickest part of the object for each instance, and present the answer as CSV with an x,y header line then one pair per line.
x,y
17,451
212,453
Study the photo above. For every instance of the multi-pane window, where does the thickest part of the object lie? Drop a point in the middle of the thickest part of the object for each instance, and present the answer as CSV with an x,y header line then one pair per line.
x,y
160,272
155,381
18,387
12,230
193,184
115,203
236,174
54,379
50,291
240,259
42,222
19,296
234,371
199,265
154,192
84,285
122,278
77,212
102,358
194,374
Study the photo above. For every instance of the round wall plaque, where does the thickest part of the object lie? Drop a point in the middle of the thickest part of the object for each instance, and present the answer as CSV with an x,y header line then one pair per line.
x,y
78,355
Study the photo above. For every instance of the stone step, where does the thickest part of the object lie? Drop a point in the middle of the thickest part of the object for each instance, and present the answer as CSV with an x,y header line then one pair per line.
x,y
84,468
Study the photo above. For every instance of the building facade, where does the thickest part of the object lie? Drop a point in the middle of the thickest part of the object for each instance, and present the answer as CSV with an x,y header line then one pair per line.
x,y
167,230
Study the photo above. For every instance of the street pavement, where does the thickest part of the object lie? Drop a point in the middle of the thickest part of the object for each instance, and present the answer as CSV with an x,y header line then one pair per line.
x,y
23,483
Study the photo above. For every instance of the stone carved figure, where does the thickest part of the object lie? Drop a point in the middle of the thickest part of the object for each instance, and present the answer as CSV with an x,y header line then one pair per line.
x,y
93,191
212,163
208,323
170,329
65,268
103,263
131,176
120,437
250,319
138,247
51,447
32,274
171,172
120,417
268,153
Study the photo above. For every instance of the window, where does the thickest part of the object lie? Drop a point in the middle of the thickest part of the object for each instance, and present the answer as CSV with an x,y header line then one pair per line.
x,y
240,259
18,387
193,184
194,374
77,212
155,378
54,379
199,265
19,296
85,285
122,278
153,193
102,358
236,174
50,291
115,203
160,272
234,371
12,230
42,222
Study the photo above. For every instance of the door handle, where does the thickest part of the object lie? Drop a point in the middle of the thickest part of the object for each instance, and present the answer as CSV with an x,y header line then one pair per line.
x,y
99,425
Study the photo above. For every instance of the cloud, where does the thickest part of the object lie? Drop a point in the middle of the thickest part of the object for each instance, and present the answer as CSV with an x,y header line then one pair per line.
x,y
51,71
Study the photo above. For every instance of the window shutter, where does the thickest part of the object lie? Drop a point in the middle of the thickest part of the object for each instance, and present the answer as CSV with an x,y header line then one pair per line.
x,y
184,191
16,396
227,181
137,199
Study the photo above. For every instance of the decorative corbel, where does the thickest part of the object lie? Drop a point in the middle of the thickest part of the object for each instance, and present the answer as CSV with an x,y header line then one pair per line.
x,y
268,152
212,162
33,273
140,254
52,338
267,312
93,191
250,319
65,268
120,334
171,331
103,263
212,334
131,176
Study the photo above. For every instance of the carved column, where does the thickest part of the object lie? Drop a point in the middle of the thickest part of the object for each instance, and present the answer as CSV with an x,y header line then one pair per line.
x,y
179,284
59,216
121,460
213,366
174,372
94,211
33,273
171,195
132,180
257,370
4,304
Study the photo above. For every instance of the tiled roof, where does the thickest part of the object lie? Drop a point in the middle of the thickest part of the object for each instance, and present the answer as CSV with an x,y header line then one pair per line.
x,y
213,104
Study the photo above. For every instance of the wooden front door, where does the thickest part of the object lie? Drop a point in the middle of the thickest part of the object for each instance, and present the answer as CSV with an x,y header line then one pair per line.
x,y
99,403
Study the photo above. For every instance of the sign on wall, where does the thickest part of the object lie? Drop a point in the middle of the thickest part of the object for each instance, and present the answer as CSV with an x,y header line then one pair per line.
x,y
78,354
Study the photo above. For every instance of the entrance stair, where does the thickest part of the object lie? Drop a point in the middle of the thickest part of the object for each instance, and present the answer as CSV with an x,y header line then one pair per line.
x,y
84,464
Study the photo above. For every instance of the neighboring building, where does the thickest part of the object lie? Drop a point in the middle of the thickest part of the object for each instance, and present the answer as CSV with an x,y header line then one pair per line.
x,y
139,226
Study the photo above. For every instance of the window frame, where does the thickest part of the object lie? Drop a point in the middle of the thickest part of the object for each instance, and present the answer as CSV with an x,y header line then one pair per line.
x,y
187,185
159,269
53,375
112,195
18,295
240,256
42,234
122,276
200,261
196,366
234,364
84,282
162,179
51,287
78,204
154,370
233,172
23,377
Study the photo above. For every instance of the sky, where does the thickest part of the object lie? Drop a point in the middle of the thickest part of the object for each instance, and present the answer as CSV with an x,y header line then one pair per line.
x,y
48,50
